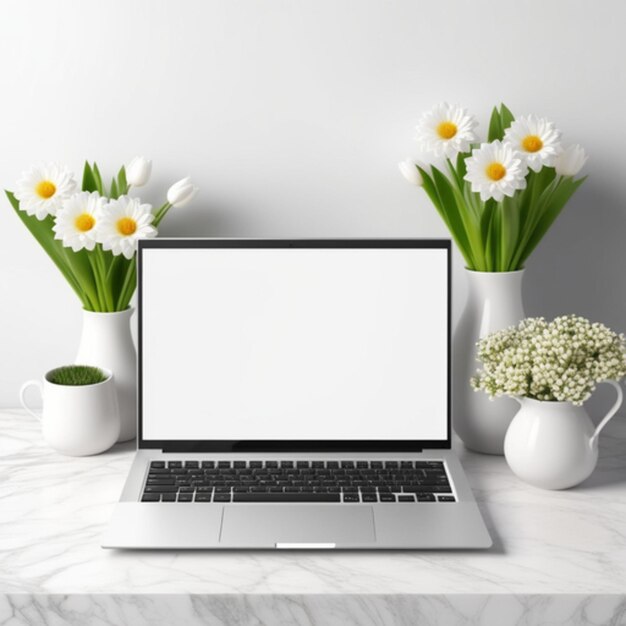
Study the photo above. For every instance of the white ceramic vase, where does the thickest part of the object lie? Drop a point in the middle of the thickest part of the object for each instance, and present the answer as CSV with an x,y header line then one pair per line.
x,y
494,303
554,445
106,342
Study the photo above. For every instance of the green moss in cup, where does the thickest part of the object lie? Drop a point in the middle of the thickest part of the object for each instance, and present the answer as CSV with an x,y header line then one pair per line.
x,y
76,375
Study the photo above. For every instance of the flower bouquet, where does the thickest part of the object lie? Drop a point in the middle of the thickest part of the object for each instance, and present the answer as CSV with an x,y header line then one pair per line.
x,y
498,199
558,361
91,234
551,369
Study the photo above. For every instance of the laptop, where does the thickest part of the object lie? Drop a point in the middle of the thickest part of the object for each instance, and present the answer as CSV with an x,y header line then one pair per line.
x,y
294,394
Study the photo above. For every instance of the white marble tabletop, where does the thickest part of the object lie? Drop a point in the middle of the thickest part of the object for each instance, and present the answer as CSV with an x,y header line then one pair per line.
x,y
53,510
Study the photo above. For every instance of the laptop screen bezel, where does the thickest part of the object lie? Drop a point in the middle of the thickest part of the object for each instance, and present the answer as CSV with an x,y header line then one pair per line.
x,y
312,446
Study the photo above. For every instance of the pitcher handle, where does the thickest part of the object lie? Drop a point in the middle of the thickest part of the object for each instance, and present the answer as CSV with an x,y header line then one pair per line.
x,y
24,387
613,410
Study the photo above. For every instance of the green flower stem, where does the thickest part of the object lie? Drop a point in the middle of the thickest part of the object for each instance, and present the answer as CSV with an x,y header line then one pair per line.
x,y
84,277
161,213
99,288
105,284
128,286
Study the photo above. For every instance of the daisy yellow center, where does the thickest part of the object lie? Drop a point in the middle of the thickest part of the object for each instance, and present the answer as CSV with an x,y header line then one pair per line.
x,y
126,226
447,130
84,222
532,143
495,171
45,189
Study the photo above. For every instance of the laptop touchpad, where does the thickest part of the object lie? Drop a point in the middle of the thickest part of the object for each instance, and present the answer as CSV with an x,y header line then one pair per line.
x,y
259,525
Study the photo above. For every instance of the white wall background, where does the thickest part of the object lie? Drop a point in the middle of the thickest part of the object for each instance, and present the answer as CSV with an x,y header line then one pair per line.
x,y
291,116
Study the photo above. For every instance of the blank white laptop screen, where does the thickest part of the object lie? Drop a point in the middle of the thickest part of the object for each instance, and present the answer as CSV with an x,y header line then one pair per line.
x,y
294,343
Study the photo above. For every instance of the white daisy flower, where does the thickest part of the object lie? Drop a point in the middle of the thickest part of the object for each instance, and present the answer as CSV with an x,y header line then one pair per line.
x,y
76,221
496,170
42,189
122,223
446,130
536,138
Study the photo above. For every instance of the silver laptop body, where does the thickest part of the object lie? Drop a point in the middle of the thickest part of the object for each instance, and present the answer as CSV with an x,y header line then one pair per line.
x,y
294,394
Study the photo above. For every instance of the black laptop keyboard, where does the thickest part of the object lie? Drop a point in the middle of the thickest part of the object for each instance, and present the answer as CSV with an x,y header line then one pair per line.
x,y
297,481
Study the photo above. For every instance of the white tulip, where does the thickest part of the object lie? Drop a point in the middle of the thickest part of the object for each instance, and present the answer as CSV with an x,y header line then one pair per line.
x,y
181,193
138,171
410,172
570,161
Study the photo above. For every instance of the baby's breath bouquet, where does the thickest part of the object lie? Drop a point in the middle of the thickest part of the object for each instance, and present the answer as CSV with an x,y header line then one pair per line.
x,y
498,198
91,234
557,361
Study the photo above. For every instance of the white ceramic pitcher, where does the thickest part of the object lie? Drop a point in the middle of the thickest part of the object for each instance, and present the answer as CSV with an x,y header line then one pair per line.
x,y
553,445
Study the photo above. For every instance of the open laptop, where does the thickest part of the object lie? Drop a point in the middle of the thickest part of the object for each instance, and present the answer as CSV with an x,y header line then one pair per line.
x,y
295,394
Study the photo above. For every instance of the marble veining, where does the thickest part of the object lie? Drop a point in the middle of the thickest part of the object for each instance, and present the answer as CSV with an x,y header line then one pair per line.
x,y
311,610
53,510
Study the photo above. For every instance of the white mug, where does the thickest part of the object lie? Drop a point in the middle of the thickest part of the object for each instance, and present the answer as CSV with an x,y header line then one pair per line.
x,y
77,420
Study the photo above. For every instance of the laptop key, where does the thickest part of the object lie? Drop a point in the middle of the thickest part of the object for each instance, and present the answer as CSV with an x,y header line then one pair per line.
x,y
168,497
185,497
446,499
286,497
160,489
157,464
427,497
151,497
203,497
387,497
406,499
222,497
369,497
350,497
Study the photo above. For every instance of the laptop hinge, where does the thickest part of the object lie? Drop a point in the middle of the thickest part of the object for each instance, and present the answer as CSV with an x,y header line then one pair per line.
x,y
186,449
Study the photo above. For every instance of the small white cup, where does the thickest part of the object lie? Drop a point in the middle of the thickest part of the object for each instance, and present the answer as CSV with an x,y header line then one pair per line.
x,y
77,420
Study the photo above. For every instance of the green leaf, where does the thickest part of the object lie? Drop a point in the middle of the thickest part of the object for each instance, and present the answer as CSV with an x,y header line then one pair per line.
x,y
461,168
42,231
114,192
492,245
97,179
486,227
122,185
509,230
129,285
89,181
458,218
117,268
532,203
554,205
458,180
495,126
506,117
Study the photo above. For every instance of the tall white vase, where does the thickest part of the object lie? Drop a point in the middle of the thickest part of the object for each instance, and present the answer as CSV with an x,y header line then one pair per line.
x,y
106,342
494,302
